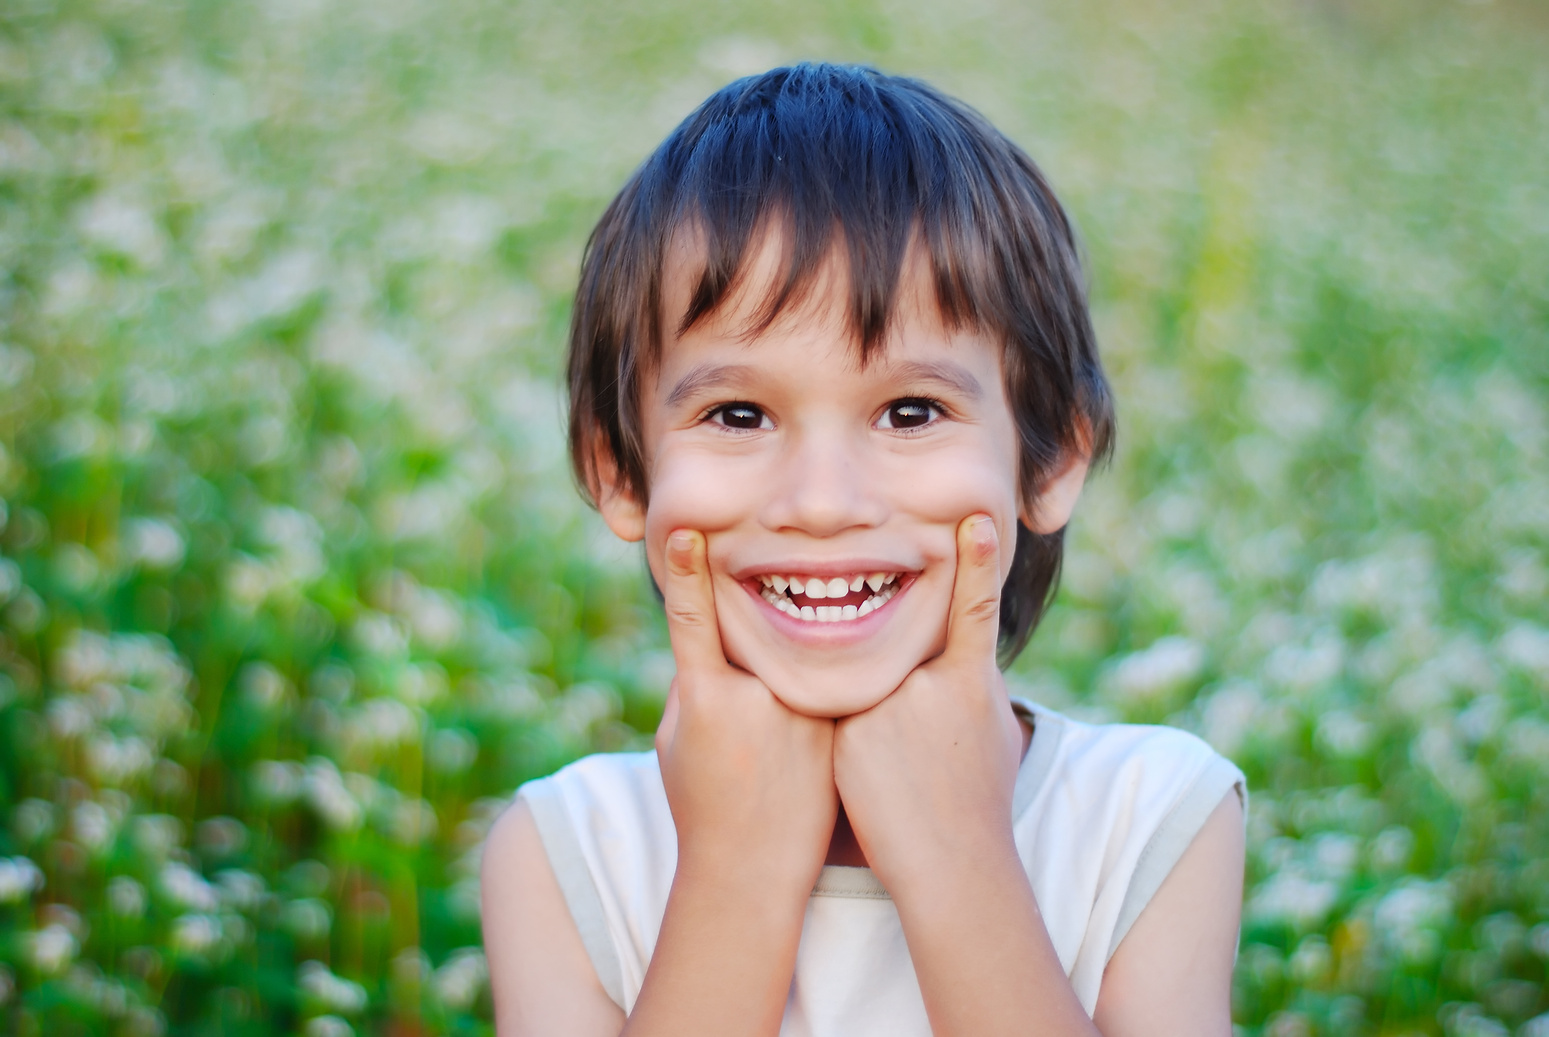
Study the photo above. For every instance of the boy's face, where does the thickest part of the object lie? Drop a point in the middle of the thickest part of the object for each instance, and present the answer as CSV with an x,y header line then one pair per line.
x,y
804,469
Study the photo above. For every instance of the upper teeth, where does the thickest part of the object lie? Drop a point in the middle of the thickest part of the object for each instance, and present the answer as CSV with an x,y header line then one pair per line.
x,y
883,586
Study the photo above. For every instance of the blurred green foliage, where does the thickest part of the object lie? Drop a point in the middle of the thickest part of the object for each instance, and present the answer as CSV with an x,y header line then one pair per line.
x,y
295,589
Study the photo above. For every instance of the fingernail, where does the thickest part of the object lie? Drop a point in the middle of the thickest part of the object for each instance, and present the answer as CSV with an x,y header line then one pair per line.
x,y
682,541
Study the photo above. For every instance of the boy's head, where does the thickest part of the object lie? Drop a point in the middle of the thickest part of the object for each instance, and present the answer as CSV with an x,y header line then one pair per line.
x,y
832,315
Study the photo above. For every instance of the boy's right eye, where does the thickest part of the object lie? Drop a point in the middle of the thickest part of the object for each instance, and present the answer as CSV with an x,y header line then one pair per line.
x,y
740,416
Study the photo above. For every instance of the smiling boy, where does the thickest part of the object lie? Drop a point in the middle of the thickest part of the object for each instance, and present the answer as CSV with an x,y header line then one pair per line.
x,y
831,363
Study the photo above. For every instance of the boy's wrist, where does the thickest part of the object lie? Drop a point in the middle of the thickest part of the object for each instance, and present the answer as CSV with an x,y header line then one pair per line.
x,y
947,871
732,872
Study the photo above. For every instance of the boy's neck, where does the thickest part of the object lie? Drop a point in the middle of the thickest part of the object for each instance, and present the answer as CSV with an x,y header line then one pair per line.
x,y
843,849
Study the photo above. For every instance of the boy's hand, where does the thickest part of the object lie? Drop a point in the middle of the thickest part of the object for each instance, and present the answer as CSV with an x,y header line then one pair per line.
x,y
926,775
750,783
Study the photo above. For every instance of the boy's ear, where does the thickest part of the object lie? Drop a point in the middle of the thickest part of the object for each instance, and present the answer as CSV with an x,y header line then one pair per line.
x,y
1051,509
616,503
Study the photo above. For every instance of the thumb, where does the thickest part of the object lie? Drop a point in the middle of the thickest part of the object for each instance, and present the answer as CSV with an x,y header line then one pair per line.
x,y
690,601
973,624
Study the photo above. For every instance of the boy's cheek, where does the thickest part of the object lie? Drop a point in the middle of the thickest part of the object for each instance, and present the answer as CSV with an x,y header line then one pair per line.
x,y
707,498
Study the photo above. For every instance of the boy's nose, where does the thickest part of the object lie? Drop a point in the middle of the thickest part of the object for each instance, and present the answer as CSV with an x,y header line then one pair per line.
x,y
823,488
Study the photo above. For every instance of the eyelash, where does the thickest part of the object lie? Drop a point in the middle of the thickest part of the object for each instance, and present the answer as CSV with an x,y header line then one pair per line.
x,y
935,405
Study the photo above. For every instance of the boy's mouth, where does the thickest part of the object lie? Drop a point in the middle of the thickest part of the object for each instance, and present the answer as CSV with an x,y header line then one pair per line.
x,y
830,599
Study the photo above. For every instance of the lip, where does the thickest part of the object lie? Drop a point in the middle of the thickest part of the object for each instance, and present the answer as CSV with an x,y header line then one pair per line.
x,y
845,632
830,568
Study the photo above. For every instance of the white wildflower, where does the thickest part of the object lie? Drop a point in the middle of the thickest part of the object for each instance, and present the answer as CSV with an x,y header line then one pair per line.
x,y
334,992
187,888
1161,668
328,796
152,543
196,935
19,879
52,948
126,897
327,1026
458,982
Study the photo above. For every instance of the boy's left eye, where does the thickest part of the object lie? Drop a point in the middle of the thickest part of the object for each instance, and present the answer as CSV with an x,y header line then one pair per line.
x,y
910,413
741,416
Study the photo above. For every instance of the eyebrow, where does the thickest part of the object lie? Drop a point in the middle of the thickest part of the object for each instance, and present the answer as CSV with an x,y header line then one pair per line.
x,y
705,377
952,376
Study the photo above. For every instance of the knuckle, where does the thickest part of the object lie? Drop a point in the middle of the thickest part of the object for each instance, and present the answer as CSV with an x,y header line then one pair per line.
x,y
984,609
684,614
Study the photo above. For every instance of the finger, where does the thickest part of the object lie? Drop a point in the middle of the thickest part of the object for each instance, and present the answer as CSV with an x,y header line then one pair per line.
x,y
696,638
973,625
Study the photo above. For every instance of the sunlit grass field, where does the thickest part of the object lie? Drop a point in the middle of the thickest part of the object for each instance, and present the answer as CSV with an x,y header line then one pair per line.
x,y
295,588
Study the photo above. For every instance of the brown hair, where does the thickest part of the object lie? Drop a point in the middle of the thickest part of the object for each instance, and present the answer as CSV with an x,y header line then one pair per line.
x,y
845,156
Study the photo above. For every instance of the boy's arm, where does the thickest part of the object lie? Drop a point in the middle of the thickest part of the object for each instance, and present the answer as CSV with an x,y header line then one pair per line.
x,y
751,789
1172,973
926,777
542,981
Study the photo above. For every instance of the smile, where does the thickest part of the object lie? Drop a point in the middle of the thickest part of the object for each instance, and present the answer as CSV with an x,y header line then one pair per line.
x,y
834,599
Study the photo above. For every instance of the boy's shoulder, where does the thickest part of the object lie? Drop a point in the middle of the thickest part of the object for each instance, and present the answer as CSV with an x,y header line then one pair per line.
x,y
601,783
1133,762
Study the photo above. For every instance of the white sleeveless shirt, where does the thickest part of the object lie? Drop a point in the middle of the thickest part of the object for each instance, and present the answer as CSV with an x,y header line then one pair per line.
x,y
1101,813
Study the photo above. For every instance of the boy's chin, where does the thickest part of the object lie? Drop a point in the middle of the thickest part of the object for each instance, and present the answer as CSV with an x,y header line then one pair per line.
x,y
828,694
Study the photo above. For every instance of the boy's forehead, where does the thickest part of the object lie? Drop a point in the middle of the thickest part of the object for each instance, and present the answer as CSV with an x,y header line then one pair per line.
x,y
821,302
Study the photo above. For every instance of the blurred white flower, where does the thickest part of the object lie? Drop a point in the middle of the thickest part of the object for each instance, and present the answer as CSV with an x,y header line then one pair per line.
x,y
379,635
1468,1020
1391,848
93,825
153,543
126,897
52,948
195,935
452,751
383,723
327,1026
118,761
124,227
1408,917
421,684
460,979
1527,646
157,835
1166,665
328,796
413,821
33,819
240,890
1293,897
1343,733
285,282
19,879
10,579
1538,1026
263,686
186,888
69,716
278,781
1304,666
307,918
332,992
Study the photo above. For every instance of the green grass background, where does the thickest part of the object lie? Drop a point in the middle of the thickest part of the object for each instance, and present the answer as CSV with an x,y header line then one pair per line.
x,y
295,589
